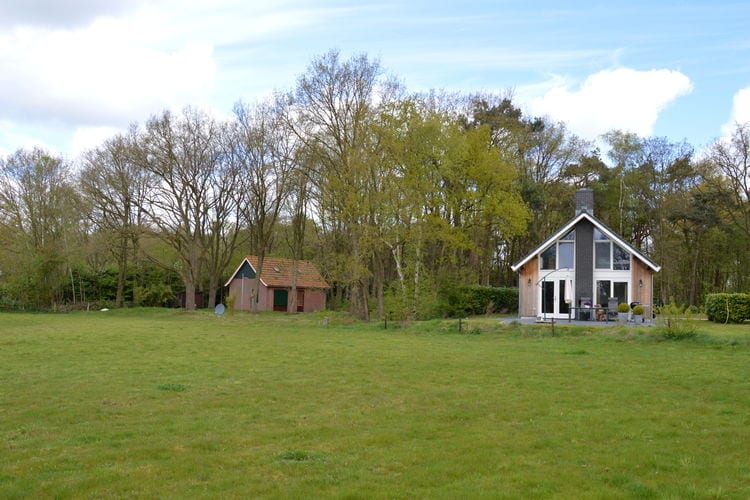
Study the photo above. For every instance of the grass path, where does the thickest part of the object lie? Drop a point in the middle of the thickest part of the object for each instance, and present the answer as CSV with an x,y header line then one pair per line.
x,y
171,404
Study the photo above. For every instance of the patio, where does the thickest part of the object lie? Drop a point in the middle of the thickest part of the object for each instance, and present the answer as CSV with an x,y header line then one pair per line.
x,y
578,322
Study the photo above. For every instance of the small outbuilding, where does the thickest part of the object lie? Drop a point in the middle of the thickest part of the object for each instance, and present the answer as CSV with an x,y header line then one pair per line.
x,y
583,270
277,280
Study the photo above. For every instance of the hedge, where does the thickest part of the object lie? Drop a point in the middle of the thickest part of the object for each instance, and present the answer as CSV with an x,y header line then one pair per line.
x,y
728,307
475,300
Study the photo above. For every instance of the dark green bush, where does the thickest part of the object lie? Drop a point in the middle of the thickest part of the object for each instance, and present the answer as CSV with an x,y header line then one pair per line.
x,y
155,295
728,307
476,300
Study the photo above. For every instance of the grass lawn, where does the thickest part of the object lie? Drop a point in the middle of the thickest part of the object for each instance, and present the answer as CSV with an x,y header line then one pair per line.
x,y
162,403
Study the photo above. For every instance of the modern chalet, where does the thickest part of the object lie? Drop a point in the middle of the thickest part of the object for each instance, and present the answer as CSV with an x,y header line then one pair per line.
x,y
276,284
583,271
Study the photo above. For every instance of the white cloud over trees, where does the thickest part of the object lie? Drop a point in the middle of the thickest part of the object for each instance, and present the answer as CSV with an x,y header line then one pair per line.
x,y
740,111
621,98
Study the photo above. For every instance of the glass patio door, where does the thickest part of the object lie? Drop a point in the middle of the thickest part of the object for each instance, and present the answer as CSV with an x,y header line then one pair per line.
x,y
556,297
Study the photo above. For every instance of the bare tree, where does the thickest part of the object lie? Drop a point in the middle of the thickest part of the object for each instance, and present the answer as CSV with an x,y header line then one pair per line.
x,y
226,199
181,153
265,152
298,211
732,158
116,189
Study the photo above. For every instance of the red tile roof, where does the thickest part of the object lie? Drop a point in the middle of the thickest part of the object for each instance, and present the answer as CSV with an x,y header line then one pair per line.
x,y
277,272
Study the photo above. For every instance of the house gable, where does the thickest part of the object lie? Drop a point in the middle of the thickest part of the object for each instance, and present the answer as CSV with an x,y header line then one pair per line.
x,y
573,223
583,269
245,271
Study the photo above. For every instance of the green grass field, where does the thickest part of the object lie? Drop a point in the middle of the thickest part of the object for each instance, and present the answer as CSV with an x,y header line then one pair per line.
x,y
161,403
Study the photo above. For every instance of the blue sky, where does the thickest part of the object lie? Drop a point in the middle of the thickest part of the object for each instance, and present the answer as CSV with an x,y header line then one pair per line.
x,y
72,75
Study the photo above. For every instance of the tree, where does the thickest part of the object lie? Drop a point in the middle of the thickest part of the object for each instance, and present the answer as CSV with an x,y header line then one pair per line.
x,y
447,201
695,219
182,153
298,202
40,213
226,198
732,158
116,189
265,152
333,105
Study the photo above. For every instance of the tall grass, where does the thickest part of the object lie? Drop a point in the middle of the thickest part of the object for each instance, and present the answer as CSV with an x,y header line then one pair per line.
x,y
153,403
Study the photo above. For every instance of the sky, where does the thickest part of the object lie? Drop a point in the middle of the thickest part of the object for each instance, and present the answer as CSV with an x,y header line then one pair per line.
x,y
73,73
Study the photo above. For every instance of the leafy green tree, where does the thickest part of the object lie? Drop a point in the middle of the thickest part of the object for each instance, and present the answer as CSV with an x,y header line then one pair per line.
x,y
40,213
332,106
449,199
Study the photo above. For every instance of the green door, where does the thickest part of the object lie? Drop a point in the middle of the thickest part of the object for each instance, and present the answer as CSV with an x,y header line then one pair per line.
x,y
280,300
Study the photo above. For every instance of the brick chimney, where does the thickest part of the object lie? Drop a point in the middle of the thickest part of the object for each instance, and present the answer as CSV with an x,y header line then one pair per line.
x,y
585,201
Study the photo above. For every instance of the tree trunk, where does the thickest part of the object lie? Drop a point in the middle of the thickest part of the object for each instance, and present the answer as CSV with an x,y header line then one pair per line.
x,y
417,270
189,293
191,276
213,287
360,303
694,279
360,306
379,283
122,272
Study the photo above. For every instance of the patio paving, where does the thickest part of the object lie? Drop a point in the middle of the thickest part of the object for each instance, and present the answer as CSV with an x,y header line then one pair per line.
x,y
563,322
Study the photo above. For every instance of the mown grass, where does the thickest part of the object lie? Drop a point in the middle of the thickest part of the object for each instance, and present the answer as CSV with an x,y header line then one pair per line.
x,y
157,403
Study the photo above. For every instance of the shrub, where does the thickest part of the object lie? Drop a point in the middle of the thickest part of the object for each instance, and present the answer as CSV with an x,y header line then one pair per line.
x,y
477,300
728,307
676,330
638,310
231,301
692,310
623,307
154,295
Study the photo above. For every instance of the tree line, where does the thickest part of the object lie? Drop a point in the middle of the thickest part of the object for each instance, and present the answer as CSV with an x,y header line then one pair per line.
x,y
397,197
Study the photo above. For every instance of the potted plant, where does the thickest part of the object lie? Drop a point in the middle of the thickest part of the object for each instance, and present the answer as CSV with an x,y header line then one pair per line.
x,y
622,312
638,313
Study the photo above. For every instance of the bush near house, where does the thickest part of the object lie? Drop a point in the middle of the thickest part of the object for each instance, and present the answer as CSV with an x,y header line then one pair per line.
x,y
728,307
475,300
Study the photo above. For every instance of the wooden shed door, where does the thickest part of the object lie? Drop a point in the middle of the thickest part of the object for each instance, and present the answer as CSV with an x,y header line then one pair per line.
x,y
300,300
280,300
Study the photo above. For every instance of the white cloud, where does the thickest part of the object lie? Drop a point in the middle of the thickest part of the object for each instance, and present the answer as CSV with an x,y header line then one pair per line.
x,y
740,111
58,14
86,138
622,98
100,75
65,77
